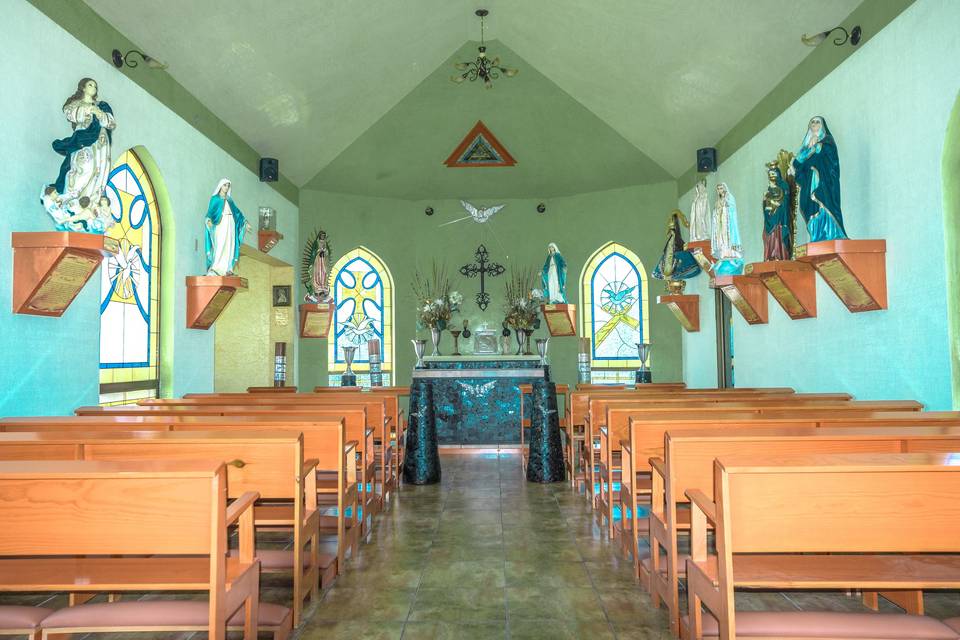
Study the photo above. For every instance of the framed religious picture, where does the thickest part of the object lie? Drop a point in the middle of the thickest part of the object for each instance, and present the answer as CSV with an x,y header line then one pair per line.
x,y
281,295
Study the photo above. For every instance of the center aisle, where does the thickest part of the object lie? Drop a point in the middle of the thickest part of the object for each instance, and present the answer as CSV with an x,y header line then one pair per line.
x,y
483,555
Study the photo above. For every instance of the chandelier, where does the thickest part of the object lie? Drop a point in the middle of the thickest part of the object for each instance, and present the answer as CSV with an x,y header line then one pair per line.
x,y
484,68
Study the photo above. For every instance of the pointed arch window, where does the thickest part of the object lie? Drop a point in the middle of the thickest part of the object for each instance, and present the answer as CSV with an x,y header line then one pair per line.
x,y
130,288
614,311
363,299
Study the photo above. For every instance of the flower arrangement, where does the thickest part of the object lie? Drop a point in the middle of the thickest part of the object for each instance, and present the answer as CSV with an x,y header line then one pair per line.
x,y
436,303
523,301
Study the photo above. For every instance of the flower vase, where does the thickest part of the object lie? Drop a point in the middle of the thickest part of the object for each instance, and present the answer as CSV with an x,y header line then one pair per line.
x,y
435,339
456,342
518,334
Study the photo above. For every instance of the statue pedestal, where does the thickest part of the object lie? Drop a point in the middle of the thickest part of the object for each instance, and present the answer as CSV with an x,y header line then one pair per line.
x,y
856,270
561,319
267,240
51,267
792,284
686,308
701,252
208,296
747,294
315,319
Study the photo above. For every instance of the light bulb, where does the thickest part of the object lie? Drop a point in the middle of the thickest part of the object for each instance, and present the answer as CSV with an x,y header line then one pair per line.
x,y
457,79
814,40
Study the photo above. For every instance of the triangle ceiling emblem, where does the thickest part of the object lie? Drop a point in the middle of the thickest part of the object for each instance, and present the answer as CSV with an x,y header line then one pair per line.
x,y
480,148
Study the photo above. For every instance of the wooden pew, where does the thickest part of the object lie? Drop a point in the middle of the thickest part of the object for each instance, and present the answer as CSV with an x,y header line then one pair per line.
x,y
270,463
607,457
271,389
354,418
579,405
127,526
687,464
527,390
323,441
376,405
861,521
646,429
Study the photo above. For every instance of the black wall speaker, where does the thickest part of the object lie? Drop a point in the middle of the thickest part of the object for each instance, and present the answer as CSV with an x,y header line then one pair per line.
x,y
269,169
706,159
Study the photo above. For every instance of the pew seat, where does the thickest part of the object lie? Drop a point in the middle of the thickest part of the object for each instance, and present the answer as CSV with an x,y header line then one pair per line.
x,y
157,616
22,621
831,624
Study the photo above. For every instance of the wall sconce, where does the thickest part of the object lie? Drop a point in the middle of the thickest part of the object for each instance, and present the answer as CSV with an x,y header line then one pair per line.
x,y
120,59
853,36
541,208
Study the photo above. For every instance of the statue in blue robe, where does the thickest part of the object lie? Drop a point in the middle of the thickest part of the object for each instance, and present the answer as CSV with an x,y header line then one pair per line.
x,y
817,171
676,265
554,276
225,228
725,234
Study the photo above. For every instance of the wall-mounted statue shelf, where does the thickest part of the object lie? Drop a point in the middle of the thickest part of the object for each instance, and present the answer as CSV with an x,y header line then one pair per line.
x,y
747,294
315,319
561,319
267,240
856,270
208,296
686,308
700,250
51,267
793,284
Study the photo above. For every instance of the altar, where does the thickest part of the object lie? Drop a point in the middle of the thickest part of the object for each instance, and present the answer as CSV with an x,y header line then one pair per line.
x,y
475,400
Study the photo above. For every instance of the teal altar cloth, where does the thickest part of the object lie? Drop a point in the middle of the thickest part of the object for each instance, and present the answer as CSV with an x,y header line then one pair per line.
x,y
475,400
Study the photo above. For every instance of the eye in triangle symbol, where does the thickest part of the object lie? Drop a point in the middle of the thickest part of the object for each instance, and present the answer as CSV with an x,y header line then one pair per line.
x,y
480,148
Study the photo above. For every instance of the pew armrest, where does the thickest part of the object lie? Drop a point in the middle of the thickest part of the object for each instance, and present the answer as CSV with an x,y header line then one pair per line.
x,y
240,505
626,448
659,467
309,466
699,499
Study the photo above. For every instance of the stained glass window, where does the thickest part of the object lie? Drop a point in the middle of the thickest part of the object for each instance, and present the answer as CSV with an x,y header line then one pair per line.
x,y
613,294
363,298
130,289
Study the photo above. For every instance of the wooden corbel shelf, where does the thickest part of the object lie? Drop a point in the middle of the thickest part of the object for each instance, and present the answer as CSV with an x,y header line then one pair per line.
x,y
747,294
561,319
686,308
792,284
315,319
267,240
856,270
702,253
51,267
208,296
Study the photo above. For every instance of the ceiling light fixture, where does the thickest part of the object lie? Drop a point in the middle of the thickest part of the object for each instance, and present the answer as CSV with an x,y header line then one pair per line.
x,y
853,36
484,68
120,59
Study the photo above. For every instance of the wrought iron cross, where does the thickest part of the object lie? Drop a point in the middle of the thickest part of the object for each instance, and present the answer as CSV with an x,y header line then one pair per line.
x,y
482,268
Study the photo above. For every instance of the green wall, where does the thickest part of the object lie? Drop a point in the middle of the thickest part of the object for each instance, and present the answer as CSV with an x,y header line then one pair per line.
x,y
51,365
887,106
405,238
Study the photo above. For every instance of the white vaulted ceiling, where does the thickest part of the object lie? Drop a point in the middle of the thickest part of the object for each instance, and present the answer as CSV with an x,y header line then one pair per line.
x,y
302,80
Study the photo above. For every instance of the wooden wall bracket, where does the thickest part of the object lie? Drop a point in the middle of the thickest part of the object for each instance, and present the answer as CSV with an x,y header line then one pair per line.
x,y
792,284
561,319
702,253
686,308
316,319
51,267
747,294
208,296
267,240
856,270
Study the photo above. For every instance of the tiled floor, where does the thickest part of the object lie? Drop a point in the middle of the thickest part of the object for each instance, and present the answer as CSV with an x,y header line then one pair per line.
x,y
485,554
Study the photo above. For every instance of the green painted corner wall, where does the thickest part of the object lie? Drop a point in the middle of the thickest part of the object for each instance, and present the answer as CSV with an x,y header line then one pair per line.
x,y
405,238
950,171
888,107
51,365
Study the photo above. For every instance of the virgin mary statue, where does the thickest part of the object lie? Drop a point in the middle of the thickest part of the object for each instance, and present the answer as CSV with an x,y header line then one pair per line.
x,y
817,170
86,163
224,234
725,235
554,276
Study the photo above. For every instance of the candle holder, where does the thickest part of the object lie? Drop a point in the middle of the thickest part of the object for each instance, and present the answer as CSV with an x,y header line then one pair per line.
x,y
349,378
419,347
643,373
456,342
